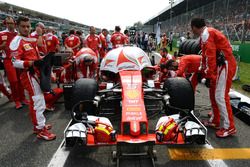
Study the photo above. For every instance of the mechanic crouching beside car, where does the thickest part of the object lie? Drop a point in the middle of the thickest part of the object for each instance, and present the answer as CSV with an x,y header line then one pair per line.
x,y
218,68
86,64
25,56
186,66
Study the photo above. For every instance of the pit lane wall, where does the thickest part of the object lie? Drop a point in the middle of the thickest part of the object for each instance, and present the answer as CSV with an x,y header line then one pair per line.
x,y
243,50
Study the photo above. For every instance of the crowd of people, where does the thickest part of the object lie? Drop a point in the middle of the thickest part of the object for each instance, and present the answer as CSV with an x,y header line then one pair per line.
x,y
28,56
231,19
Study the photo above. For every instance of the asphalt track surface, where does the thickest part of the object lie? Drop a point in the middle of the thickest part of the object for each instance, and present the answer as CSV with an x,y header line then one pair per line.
x,y
20,148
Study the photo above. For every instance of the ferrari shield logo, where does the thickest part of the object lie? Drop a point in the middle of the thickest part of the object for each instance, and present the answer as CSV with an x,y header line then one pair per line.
x,y
4,38
132,94
27,47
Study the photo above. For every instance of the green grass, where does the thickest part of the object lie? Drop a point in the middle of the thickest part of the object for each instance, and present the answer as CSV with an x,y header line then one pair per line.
x,y
172,52
244,78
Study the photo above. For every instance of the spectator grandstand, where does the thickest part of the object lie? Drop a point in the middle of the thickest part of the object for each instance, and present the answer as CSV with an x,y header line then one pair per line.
x,y
229,16
60,24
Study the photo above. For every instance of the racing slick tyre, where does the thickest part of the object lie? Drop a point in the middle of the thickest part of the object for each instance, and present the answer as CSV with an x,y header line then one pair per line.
x,y
189,46
182,48
195,48
181,95
85,90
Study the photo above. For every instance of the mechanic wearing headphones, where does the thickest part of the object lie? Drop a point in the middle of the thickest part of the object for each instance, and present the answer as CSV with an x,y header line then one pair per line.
x,y
218,67
186,65
6,37
26,57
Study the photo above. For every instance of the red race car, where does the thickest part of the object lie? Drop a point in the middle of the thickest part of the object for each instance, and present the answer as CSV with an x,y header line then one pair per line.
x,y
130,91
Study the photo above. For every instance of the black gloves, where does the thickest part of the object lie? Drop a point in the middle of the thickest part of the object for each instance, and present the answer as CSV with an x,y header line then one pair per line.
x,y
31,70
220,58
207,83
199,77
39,63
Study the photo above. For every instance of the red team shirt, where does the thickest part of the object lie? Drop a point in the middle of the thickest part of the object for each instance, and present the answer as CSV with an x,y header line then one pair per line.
x,y
51,42
211,41
188,64
93,42
117,39
24,50
7,36
42,49
104,45
72,41
86,71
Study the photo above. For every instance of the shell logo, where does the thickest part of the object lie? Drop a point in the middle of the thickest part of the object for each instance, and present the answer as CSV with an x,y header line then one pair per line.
x,y
132,94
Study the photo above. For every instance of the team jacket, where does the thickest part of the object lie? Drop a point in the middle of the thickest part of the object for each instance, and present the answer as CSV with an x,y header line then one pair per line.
x,y
72,41
93,42
42,49
213,40
51,42
117,39
7,36
23,50
188,64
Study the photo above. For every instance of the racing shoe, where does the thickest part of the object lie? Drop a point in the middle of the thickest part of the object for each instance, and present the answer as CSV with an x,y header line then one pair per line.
x,y
222,133
50,108
210,124
36,131
18,105
25,102
209,114
46,135
10,98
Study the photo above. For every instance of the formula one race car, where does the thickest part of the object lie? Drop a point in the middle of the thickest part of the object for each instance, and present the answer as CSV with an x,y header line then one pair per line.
x,y
130,90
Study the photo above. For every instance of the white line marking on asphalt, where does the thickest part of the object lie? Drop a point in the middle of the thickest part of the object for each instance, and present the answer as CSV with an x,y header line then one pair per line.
x,y
60,156
215,163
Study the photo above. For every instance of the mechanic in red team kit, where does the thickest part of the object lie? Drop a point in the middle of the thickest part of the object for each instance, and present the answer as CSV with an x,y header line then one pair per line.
x,y
185,66
72,42
93,41
165,73
104,45
218,67
117,38
6,37
26,57
39,35
86,62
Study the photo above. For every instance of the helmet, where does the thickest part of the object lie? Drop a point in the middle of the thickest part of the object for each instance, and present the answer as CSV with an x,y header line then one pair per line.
x,y
166,130
88,58
104,133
